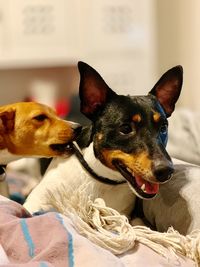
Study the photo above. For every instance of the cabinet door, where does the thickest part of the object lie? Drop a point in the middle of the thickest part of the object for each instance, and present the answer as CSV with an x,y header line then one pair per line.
x,y
118,24
41,31
120,35
3,36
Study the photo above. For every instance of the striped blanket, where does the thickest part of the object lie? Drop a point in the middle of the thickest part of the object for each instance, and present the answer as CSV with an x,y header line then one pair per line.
x,y
49,239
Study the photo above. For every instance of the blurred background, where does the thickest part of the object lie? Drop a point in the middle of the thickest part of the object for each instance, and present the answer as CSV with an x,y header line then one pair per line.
x,y
131,43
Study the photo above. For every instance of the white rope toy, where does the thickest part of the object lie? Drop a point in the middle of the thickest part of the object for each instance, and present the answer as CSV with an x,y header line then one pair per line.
x,y
107,228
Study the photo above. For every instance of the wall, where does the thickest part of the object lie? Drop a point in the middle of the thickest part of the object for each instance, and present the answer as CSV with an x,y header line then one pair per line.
x,y
16,84
179,43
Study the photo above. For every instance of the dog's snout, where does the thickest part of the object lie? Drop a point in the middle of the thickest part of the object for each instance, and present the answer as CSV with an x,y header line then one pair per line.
x,y
162,171
76,127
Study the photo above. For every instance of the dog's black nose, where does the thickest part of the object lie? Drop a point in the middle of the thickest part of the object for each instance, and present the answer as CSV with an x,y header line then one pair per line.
x,y
162,171
76,128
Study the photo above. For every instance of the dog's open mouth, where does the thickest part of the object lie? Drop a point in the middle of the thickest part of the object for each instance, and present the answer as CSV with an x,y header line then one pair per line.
x,y
62,148
142,187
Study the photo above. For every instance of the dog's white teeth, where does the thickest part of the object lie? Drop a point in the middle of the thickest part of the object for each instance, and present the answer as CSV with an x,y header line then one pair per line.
x,y
68,146
128,169
143,187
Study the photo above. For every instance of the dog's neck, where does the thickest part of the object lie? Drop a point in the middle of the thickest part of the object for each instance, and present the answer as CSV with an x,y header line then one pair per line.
x,y
69,174
6,157
72,167
98,167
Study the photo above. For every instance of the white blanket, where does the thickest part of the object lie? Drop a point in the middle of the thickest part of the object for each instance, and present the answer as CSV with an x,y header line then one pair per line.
x,y
184,136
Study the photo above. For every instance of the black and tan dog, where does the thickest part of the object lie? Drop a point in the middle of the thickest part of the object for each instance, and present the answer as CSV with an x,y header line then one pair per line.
x,y
124,147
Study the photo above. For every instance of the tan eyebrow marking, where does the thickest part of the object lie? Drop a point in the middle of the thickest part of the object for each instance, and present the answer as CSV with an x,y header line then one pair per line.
x,y
99,136
156,116
136,118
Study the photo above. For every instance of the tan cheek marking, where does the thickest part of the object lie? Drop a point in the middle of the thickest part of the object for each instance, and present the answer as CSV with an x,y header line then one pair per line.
x,y
139,163
109,155
156,117
136,118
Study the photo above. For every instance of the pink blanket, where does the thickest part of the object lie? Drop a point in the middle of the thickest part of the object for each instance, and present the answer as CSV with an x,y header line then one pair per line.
x,y
50,240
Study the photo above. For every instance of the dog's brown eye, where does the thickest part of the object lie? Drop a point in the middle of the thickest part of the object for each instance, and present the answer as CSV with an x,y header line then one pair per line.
x,y
125,129
40,117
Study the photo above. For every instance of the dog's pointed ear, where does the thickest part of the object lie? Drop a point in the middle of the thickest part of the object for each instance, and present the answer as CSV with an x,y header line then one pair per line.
x,y
168,88
93,91
7,120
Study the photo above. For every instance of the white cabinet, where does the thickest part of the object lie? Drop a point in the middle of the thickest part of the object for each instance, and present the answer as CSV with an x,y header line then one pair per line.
x,y
115,36
120,40
38,32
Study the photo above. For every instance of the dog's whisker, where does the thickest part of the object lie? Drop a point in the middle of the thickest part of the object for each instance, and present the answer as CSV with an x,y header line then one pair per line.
x,y
76,146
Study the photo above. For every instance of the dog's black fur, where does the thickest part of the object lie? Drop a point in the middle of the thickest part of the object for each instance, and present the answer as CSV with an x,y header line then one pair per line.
x,y
124,127
125,144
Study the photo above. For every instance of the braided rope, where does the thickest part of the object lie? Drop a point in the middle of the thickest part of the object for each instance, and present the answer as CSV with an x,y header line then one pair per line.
x,y
107,228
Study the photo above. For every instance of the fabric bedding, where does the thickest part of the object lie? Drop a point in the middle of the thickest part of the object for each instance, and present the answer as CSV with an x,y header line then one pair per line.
x,y
184,136
50,239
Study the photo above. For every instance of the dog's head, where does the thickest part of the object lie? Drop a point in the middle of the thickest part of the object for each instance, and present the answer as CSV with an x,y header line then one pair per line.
x,y
32,129
130,132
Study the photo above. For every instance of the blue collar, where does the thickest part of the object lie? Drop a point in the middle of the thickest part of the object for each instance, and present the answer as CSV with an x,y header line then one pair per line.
x,y
163,136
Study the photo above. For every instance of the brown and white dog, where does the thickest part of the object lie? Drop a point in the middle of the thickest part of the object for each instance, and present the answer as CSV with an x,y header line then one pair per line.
x,y
29,129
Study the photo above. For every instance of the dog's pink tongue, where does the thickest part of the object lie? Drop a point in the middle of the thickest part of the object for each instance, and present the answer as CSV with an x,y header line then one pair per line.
x,y
150,188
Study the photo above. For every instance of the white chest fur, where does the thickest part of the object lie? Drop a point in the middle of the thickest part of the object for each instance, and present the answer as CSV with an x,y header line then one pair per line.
x,y
68,173
6,157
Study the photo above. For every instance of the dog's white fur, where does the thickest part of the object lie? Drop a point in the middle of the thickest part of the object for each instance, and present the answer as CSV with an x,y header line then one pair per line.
x,y
62,173
177,203
6,157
